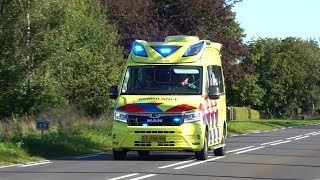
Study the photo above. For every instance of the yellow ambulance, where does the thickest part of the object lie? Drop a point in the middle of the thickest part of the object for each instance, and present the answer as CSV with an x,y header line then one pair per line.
x,y
172,98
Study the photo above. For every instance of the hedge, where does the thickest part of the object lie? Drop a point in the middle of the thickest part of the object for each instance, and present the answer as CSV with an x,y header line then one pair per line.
x,y
240,113
243,113
254,114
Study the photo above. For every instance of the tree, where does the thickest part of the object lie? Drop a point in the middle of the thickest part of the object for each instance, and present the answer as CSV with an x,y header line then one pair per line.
x,y
57,52
289,71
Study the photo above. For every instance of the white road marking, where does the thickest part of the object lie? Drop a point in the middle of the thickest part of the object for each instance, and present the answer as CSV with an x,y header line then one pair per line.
x,y
143,177
1,167
80,157
310,133
200,162
301,137
295,137
125,176
170,165
271,142
249,150
35,164
239,149
280,142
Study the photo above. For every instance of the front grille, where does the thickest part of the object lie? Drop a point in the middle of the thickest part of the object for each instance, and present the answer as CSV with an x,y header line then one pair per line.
x,y
154,132
141,143
152,120
169,143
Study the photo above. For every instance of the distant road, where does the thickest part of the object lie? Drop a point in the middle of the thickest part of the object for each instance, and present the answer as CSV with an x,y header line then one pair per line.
x,y
284,154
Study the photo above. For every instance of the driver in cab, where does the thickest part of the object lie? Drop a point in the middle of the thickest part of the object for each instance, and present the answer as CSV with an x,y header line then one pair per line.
x,y
184,82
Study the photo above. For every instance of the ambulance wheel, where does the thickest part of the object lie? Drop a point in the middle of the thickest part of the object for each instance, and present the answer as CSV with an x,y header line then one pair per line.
x,y
119,155
203,154
222,150
143,154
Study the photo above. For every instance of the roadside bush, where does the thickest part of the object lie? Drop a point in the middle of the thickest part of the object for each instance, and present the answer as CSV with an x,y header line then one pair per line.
x,y
254,114
240,113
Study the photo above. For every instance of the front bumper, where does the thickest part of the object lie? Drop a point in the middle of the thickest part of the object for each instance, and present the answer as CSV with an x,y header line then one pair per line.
x,y
188,136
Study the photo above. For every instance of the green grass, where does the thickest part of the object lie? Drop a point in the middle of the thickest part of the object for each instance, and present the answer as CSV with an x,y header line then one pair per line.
x,y
242,127
80,139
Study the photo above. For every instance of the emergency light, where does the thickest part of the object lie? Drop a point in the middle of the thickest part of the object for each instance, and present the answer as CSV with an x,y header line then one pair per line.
x,y
165,50
138,50
194,49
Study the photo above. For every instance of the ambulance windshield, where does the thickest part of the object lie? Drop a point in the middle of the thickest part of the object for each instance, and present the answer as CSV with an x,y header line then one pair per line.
x,y
162,80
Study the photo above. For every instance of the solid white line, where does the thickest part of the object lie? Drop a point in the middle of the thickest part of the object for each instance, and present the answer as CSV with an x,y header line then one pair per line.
x,y
80,157
271,142
239,149
280,142
183,162
295,137
1,167
125,176
143,177
249,150
200,162
35,164
301,137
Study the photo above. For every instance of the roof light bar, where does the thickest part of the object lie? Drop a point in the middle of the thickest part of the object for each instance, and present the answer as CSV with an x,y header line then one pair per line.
x,y
165,50
138,50
194,49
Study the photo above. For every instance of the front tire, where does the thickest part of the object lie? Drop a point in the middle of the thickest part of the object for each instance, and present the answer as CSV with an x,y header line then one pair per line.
x,y
203,154
143,154
119,155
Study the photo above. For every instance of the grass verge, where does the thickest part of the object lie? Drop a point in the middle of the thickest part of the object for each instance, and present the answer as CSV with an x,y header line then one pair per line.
x,y
30,147
242,127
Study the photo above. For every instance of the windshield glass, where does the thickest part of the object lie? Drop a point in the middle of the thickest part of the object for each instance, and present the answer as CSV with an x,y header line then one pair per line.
x,y
162,80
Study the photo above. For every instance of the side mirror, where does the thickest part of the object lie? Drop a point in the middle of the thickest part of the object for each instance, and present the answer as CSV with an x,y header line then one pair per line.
x,y
113,92
214,92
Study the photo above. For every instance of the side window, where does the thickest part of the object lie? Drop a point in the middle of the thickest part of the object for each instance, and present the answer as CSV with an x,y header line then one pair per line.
x,y
214,77
217,70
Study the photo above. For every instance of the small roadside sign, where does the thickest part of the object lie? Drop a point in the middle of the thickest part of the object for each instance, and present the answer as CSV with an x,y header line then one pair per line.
x,y
43,125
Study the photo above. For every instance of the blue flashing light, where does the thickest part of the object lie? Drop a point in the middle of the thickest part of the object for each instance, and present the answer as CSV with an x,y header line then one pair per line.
x,y
165,50
177,120
145,124
194,49
138,50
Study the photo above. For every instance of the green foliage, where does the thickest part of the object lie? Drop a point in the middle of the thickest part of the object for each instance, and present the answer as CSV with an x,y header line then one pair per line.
x,y
246,92
240,113
56,52
289,72
254,114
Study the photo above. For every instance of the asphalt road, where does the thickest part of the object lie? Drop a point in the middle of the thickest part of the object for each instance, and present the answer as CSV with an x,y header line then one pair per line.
x,y
292,153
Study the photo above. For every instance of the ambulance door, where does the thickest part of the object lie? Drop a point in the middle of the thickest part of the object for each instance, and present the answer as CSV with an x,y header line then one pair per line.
x,y
217,108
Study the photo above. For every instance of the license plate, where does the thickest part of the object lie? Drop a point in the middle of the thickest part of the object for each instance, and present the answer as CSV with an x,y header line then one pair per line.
x,y
154,138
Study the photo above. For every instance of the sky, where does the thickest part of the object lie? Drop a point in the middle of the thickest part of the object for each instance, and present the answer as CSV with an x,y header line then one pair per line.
x,y
279,18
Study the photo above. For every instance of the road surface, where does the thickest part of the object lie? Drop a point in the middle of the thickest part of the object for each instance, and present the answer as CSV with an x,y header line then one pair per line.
x,y
292,153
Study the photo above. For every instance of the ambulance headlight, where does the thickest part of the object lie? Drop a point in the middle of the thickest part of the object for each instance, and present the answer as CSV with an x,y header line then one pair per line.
x,y
138,50
194,49
192,117
120,116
